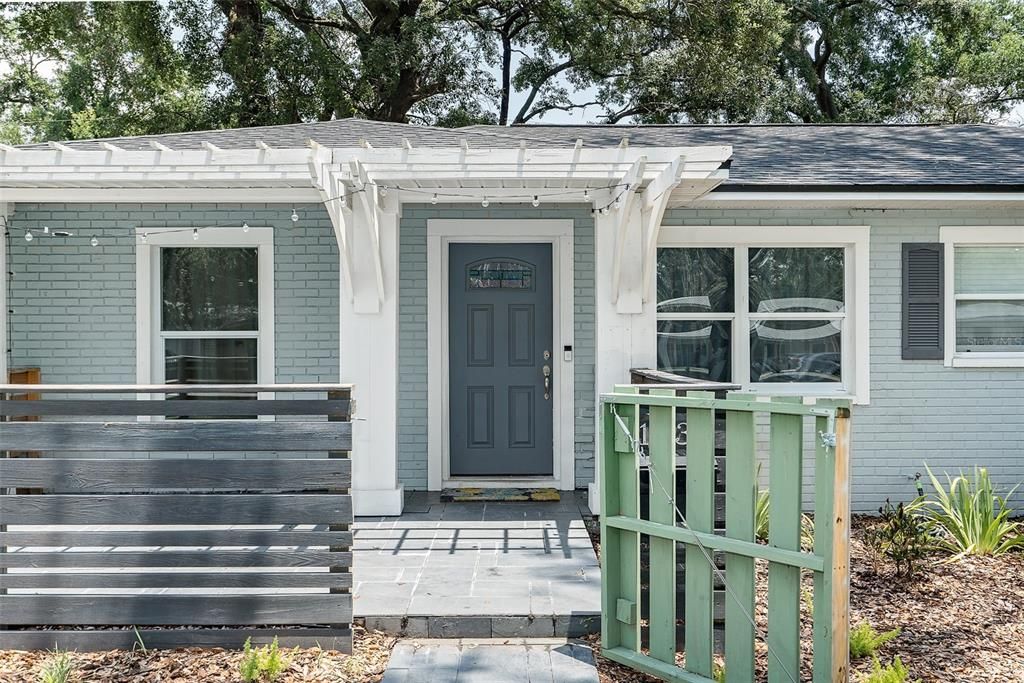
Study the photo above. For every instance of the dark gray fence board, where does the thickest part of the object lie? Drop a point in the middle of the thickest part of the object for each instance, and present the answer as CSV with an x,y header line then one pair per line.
x,y
126,639
50,538
196,408
216,435
175,558
104,488
120,474
162,610
172,508
190,579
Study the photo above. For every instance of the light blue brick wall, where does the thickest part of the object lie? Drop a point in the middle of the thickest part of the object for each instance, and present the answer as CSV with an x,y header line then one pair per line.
x,y
920,411
412,329
74,305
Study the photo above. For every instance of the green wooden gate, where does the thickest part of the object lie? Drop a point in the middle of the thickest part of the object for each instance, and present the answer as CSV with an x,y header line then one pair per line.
x,y
626,448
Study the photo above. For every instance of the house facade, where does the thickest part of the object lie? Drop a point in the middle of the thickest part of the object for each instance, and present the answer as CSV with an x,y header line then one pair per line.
x,y
482,286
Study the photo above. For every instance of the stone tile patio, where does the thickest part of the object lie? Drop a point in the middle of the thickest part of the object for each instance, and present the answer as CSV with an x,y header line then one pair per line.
x,y
504,661
478,570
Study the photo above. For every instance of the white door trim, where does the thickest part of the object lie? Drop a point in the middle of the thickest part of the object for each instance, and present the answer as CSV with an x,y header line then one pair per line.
x,y
441,233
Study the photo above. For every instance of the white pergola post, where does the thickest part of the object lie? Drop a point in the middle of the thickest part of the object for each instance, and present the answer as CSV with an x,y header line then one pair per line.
x,y
369,360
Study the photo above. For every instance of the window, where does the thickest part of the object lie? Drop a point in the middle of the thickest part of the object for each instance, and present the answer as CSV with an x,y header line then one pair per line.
x,y
210,314
984,296
499,274
767,309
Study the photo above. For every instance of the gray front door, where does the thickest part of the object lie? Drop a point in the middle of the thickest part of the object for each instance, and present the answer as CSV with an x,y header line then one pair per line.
x,y
499,349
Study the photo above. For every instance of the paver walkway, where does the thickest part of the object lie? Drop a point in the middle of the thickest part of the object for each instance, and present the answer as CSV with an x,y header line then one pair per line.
x,y
478,570
491,661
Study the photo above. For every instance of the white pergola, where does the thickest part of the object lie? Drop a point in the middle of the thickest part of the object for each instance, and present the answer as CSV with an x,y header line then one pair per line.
x,y
363,189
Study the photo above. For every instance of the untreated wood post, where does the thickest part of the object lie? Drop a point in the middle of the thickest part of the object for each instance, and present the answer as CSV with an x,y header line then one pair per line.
x,y
841,550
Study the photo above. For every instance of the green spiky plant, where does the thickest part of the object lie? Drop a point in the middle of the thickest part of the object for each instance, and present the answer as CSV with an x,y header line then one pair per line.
x,y
57,669
865,640
970,518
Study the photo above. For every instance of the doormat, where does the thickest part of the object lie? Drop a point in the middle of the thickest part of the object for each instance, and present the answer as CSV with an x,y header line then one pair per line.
x,y
468,495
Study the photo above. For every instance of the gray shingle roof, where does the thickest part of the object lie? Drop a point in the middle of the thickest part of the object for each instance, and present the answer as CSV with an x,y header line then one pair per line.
x,y
791,156
840,155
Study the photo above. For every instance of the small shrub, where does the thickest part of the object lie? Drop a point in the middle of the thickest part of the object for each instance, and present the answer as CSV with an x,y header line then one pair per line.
x,y
718,675
264,663
969,517
900,536
762,514
894,672
57,669
806,533
761,509
864,640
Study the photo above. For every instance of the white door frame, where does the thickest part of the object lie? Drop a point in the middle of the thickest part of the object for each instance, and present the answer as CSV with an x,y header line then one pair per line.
x,y
557,233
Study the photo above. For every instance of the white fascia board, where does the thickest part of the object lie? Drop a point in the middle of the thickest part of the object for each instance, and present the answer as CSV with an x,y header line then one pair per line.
x,y
86,195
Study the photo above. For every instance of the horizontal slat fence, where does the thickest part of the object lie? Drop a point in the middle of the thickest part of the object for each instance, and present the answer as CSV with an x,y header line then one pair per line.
x,y
126,528
645,638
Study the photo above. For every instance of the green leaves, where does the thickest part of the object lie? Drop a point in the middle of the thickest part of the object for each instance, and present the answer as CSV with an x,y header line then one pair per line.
x,y
865,640
970,518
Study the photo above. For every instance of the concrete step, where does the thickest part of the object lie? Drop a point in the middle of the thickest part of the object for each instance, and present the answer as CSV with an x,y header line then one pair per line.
x,y
473,626
491,661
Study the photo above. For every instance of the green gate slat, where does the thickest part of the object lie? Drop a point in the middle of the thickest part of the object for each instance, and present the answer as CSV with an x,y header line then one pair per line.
x,y
700,515
662,617
824,523
620,556
740,495
784,482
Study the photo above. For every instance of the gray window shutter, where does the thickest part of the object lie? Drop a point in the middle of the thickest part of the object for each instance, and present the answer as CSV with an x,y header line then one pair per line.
x,y
923,310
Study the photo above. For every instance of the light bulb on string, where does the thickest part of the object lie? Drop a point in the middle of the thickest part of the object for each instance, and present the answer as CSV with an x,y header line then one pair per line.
x,y
94,241
295,216
143,237
343,200
383,190
586,195
245,227
29,236
195,234
536,200
433,199
46,229
485,203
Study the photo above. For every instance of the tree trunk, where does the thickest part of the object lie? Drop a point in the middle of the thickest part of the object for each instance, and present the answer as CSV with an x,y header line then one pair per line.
x,y
242,54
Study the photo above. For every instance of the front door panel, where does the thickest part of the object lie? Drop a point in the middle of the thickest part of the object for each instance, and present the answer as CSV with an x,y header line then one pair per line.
x,y
499,348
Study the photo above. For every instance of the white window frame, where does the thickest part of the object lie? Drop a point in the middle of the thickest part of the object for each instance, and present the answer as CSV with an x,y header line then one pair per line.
x,y
974,236
149,336
855,340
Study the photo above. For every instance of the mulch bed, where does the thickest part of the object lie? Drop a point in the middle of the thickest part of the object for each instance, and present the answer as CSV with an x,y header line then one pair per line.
x,y
959,621
371,651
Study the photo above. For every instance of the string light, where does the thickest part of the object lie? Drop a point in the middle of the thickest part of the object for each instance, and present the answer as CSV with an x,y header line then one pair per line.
x,y
94,241
586,195
295,216
143,237
46,229
485,203
245,227
28,236
433,198
383,190
536,200
195,234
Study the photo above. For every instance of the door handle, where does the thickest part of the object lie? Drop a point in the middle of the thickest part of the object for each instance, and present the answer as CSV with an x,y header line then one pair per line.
x,y
547,381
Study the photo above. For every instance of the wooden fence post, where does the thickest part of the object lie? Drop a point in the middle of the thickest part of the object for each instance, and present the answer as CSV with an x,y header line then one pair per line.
x,y
841,550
